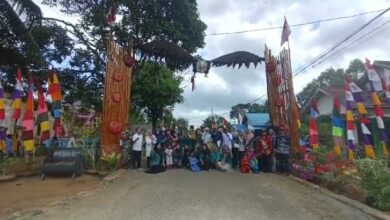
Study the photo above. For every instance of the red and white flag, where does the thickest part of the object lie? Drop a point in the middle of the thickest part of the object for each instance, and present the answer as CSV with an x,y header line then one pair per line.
x,y
286,32
111,16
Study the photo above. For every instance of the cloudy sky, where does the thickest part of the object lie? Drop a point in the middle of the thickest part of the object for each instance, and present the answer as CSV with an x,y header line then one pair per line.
x,y
226,87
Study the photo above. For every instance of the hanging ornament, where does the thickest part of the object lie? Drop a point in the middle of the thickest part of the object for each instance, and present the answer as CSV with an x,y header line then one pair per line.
x,y
118,76
116,97
277,81
115,127
271,66
280,100
129,60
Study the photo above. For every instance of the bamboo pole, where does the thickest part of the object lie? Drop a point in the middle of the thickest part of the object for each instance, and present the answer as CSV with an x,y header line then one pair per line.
x,y
116,102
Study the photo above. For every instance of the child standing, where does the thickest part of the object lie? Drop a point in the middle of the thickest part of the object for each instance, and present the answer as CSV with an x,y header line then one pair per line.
x,y
168,157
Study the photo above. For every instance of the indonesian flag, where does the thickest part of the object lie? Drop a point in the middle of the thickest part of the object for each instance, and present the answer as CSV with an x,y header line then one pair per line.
x,y
286,32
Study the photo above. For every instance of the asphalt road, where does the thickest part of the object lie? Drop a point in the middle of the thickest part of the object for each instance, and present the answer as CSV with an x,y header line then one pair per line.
x,y
180,194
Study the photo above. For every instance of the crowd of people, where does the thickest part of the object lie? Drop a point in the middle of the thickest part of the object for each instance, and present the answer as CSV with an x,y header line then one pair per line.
x,y
206,149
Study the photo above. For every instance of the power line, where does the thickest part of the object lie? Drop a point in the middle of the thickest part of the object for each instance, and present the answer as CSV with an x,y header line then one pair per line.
x,y
371,34
296,25
305,68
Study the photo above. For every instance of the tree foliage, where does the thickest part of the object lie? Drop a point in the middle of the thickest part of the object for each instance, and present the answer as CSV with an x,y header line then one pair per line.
x,y
78,50
248,108
28,42
155,89
215,120
332,77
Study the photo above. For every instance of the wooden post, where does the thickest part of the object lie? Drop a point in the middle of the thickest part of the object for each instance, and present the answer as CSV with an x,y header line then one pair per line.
x,y
116,104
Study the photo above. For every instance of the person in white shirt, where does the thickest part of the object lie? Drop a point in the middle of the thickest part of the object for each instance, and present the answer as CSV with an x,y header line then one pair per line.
x,y
137,148
150,141
207,138
226,146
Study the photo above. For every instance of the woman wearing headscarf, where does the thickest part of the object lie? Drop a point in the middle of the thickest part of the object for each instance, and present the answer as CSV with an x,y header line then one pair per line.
x,y
264,151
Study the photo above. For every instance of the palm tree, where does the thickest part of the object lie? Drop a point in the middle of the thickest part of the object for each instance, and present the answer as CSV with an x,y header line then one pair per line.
x,y
20,16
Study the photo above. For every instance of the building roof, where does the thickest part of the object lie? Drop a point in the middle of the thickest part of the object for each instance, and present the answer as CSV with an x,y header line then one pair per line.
x,y
339,92
258,120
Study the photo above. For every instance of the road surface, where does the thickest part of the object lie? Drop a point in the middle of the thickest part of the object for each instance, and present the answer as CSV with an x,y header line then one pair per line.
x,y
181,194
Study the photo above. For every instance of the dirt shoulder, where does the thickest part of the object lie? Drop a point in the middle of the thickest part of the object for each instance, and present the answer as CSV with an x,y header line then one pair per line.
x,y
30,192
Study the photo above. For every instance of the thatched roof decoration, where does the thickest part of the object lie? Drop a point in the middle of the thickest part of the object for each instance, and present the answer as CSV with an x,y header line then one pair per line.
x,y
160,49
237,58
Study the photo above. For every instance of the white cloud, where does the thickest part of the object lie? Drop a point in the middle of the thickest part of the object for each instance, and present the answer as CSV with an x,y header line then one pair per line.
x,y
306,43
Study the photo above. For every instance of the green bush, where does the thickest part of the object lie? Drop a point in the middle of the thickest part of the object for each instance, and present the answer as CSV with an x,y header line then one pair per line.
x,y
376,180
111,160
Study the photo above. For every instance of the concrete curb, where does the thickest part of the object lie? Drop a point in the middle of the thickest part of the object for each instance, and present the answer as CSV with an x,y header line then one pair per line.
x,y
358,205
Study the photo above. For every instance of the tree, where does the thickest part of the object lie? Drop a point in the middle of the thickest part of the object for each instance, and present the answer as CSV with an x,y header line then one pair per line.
x,y
248,108
215,120
329,77
182,124
18,17
141,21
357,69
28,42
155,89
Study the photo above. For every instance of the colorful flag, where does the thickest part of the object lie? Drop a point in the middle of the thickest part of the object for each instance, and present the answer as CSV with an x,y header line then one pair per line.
x,y
349,99
17,97
56,96
386,83
379,114
313,125
43,118
376,82
286,32
193,82
28,118
359,101
2,105
354,93
3,129
295,111
337,128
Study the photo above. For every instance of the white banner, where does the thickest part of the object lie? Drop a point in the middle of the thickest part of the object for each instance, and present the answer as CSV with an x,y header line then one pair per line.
x,y
379,120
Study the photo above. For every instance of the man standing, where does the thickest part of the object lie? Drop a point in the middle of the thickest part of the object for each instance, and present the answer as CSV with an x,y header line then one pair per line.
x,y
227,146
137,148
283,144
125,144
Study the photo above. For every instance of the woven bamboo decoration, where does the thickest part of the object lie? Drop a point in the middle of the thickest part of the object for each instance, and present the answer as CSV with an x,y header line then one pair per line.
x,y
116,104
